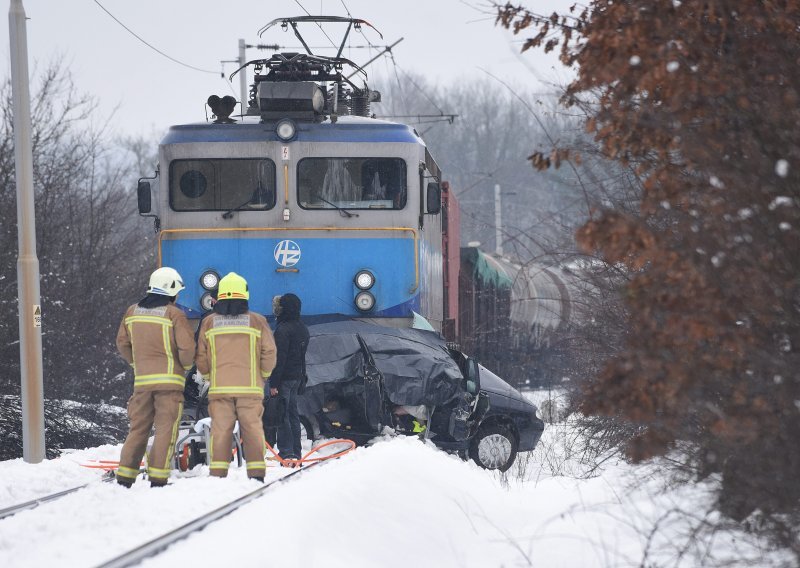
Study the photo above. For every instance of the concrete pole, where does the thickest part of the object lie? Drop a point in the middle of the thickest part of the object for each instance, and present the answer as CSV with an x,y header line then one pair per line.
x,y
30,312
498,221
243,77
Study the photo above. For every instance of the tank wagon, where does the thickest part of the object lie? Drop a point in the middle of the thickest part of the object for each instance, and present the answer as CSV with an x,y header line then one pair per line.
x,y
510,313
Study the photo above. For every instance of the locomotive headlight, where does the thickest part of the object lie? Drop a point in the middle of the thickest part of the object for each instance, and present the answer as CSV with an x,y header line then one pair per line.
x,y
207,301
209,279
365,301
364,279
285,129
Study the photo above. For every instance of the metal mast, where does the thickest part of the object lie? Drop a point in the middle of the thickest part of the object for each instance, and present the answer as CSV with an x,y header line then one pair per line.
x,y
30,310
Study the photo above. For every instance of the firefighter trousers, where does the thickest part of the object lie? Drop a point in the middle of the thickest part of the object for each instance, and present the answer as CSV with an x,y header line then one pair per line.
x,y
146,409
224,413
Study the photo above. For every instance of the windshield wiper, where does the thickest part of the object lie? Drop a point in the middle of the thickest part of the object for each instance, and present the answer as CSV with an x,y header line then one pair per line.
x,y
229,213
257,197
342,211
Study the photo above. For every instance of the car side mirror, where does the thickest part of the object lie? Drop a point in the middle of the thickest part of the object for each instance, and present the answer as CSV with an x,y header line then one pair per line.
x,y
473,377
143,197
434,198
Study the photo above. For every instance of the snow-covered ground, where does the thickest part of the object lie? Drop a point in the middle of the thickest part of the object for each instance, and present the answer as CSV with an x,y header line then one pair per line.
x,y
398,502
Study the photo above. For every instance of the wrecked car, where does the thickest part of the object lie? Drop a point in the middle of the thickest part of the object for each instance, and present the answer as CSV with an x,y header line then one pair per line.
x,y
363,377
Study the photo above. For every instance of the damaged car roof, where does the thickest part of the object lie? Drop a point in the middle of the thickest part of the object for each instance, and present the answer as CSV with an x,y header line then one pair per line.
x,y
416,365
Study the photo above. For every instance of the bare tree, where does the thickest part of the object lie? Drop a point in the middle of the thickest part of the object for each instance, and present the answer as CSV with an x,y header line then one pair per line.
x,y
698,99
92,248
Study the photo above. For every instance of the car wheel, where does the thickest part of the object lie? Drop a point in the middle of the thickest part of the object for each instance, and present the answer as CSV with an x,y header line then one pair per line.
x,y
494,447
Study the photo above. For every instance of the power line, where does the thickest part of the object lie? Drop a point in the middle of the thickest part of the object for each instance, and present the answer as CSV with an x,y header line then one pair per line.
x,y
318,24
411,80
134,34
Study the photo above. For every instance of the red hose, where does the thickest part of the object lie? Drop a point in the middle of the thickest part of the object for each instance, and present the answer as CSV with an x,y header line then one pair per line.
x,y
306,459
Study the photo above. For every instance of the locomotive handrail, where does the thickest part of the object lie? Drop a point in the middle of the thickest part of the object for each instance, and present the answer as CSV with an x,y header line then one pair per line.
x,y
411,230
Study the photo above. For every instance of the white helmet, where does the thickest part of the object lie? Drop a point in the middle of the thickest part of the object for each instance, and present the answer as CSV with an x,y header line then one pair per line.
x,y
165,281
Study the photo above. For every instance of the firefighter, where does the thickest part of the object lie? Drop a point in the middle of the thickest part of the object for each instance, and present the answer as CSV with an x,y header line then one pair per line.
x,y
236,353
155,338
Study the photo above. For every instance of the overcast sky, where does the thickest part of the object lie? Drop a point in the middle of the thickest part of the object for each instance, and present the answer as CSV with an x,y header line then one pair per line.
x,y
444,40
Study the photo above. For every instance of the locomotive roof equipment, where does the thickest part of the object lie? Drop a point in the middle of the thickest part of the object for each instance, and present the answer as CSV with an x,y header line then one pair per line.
x,y
295,85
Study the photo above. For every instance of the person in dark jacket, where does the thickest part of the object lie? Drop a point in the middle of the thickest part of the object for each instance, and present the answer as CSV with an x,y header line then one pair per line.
x,y
291,341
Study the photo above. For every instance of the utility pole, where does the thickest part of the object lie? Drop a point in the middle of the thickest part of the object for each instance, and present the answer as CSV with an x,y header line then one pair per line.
x,y
498,221
243,76
385,50
30,310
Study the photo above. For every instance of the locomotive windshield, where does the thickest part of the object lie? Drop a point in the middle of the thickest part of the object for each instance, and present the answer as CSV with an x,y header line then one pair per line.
x,y
222,185
352,183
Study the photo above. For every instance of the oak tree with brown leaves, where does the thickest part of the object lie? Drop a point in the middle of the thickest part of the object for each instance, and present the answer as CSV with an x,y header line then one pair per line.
x,y
703,99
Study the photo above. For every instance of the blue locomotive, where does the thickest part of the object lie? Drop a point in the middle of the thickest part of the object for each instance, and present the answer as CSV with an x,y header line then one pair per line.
x,y
302,192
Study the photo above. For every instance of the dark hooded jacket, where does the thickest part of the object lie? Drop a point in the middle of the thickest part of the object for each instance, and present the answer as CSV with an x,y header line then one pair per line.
x,y
291,340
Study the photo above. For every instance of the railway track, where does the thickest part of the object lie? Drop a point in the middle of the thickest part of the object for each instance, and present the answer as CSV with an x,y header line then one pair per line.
x,y
33,503
161,543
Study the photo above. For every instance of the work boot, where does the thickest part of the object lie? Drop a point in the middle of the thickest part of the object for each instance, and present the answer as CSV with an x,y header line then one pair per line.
x,y
258,478
158,483
127,483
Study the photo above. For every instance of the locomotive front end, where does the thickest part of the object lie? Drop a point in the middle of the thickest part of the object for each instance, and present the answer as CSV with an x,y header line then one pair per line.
x,y
301,195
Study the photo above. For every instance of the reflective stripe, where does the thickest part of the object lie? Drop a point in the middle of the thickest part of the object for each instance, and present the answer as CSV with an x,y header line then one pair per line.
x,y
213,346
168,350
257,465
129,472
253,364
133,350
266,374
219,465
236,390
158,379
148,319
233,329
158,472
174,436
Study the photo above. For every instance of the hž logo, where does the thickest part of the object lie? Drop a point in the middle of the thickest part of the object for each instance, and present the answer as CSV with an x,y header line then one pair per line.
x,y
287,253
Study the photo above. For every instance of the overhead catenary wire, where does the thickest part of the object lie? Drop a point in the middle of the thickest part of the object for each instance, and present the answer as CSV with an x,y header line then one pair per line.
x,y
151,46
441,117
318,24
411,80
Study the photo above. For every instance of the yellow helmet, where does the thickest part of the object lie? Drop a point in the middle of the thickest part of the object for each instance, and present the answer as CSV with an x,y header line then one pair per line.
x,y
233,287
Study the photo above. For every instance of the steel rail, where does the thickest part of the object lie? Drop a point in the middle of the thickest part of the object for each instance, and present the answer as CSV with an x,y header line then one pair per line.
x,y
159,544
33,503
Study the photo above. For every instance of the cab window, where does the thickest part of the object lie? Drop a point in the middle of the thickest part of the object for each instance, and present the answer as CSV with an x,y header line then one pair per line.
x,y
222,184
351,183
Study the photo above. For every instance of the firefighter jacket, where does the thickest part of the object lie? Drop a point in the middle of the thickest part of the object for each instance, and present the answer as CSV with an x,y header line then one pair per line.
x,y
236,353
159,344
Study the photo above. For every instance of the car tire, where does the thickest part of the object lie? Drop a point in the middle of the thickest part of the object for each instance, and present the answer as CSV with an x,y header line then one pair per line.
x,y
494,447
